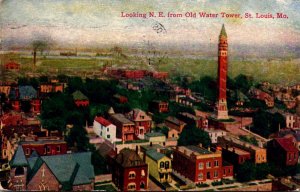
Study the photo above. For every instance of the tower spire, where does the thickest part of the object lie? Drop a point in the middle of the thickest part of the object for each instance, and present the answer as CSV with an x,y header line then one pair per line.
x,y
223,31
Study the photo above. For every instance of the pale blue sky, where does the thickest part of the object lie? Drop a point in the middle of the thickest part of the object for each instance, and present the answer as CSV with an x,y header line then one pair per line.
x,y
98,22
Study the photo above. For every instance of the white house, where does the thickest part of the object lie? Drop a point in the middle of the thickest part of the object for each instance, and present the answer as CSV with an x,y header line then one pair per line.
x,y
104,129
214,134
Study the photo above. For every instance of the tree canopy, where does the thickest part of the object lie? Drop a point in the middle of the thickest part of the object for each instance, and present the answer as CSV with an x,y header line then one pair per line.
x,y
191,135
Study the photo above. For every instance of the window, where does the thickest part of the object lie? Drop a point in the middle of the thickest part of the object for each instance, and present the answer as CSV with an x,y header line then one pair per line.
x,y
208,165
58,149
108,136
200,166
216,163
161,165
200,176
45,150
131,175
224,171
167,164
131,186
27,151
107,129
143,173
215,173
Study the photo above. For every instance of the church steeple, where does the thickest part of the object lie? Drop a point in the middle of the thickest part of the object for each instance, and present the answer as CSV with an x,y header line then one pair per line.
x,y
223,32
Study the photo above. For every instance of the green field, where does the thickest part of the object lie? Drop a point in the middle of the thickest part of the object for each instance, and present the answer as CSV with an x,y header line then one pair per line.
x,y
275,71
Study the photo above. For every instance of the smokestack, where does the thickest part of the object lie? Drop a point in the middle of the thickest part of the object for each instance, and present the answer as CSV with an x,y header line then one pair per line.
x,y
34,57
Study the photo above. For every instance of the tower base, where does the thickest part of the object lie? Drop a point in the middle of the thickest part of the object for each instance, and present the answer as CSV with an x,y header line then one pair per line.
x,y
222,112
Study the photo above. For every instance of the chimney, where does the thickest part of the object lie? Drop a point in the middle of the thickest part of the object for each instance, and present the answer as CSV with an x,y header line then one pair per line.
x,y
136,149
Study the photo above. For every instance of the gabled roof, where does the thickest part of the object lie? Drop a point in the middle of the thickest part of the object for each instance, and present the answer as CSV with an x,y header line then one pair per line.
x,y
19,159
153,154
121,118
138,115
78,95
69,169
129,158
102,121
27,92
175,120
287,144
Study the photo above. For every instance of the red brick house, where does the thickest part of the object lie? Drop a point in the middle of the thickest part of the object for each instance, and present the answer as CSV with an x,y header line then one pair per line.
x,y
44,146
68,172
282,151
235,155
51,87
134,74
200,165
159,106
80,99
129,172
141,120
12,66
125,127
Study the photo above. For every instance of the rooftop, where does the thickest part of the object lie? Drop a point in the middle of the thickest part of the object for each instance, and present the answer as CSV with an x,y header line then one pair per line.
x,y
102,121
198,151
78,95
153,154
287,144
121,118
175,120
238,151
154,134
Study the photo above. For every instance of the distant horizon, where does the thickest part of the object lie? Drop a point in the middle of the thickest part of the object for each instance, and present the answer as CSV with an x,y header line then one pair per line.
x,y
100,23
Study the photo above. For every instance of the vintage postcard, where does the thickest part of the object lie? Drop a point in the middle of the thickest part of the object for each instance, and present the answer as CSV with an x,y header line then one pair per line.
x,y
112,95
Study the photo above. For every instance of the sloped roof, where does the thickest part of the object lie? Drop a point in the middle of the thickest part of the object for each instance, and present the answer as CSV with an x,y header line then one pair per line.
x,y
78,95
287,144
69,169
223,31
153,154
138,115
19,158
27,92
129,158
103,121
121,118
111,110
175,120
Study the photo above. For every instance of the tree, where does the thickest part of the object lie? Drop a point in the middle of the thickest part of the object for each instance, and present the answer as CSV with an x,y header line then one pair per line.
x,y
243,82
78,138
262,170
191,135
246,172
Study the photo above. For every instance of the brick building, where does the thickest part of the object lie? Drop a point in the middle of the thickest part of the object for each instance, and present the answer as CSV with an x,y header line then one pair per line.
x,y
44,146
199,164
12,66
68,172
159,106
258,154
282,151
125,127
235,156
129,172
141,120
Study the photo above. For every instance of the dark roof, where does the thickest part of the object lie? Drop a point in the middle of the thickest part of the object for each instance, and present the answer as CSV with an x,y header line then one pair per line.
x,y
175,120
223,31
46,141
121,118
78,95
34,154
198,149
27,92
69,169
153,154
129,158
19,158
